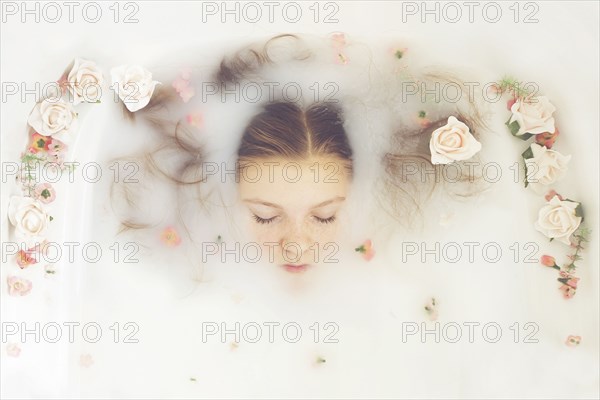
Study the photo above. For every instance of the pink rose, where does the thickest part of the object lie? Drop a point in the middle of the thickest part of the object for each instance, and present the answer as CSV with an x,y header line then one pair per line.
x,y
13,350
24,259
45,193
548,261
18,286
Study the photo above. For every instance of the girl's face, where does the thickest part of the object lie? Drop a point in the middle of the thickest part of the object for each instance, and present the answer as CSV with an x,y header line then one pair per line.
x,y
293,208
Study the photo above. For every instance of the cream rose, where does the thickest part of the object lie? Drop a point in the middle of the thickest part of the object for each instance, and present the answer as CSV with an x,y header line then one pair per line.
x,y
546,166
53,118
534,115
558,219
452,142
29,219
85,81
134,85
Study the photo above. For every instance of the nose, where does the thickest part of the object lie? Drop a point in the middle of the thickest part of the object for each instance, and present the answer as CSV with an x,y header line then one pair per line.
x,y
295,243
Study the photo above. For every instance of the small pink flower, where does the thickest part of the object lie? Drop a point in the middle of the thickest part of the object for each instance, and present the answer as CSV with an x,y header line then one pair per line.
x,y
366,249
397,51
424,122
422,119
187,93
568,279
170,237
86,360
18,286
573,341
547,139
551,194
45,193
25,259
57,152
13,350
183,87
548,261
338,39
39,143
510,102
568,291
565,274
57,148
180,84
195,119
572,282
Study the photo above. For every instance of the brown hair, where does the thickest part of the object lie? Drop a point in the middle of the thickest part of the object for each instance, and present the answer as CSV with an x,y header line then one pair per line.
x,y
410,178
286,130
175,163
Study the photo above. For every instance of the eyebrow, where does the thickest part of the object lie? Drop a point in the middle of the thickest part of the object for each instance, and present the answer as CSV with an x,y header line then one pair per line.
x,y
268,204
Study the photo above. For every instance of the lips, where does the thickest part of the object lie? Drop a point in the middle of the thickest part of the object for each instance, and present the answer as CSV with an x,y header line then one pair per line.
x,y
293,268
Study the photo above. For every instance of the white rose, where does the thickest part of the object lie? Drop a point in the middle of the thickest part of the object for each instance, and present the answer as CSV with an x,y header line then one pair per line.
x,y
84,81
546,166
29,219
53,118
134,85
533,115
558,219
452,142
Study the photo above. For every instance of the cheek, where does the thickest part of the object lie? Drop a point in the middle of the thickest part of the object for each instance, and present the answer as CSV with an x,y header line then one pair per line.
x,y
266,233
327,232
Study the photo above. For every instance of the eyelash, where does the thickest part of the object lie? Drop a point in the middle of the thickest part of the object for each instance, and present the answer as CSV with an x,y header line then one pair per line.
x,y
325,220
269,220
262,220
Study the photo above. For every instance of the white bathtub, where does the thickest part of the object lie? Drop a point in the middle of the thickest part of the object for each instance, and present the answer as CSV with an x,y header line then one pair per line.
x,y
370,308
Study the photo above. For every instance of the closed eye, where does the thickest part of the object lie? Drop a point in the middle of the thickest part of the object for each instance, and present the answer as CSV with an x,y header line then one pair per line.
x,y
325,220
263,220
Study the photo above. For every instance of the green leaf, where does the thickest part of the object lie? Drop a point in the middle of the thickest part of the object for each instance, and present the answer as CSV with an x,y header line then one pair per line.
x,y
527,153
513,127
579,211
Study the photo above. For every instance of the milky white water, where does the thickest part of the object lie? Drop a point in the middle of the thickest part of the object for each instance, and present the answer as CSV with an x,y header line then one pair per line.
x,y
354,320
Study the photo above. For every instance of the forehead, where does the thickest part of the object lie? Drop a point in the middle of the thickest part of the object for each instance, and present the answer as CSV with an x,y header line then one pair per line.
x,y
294,184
